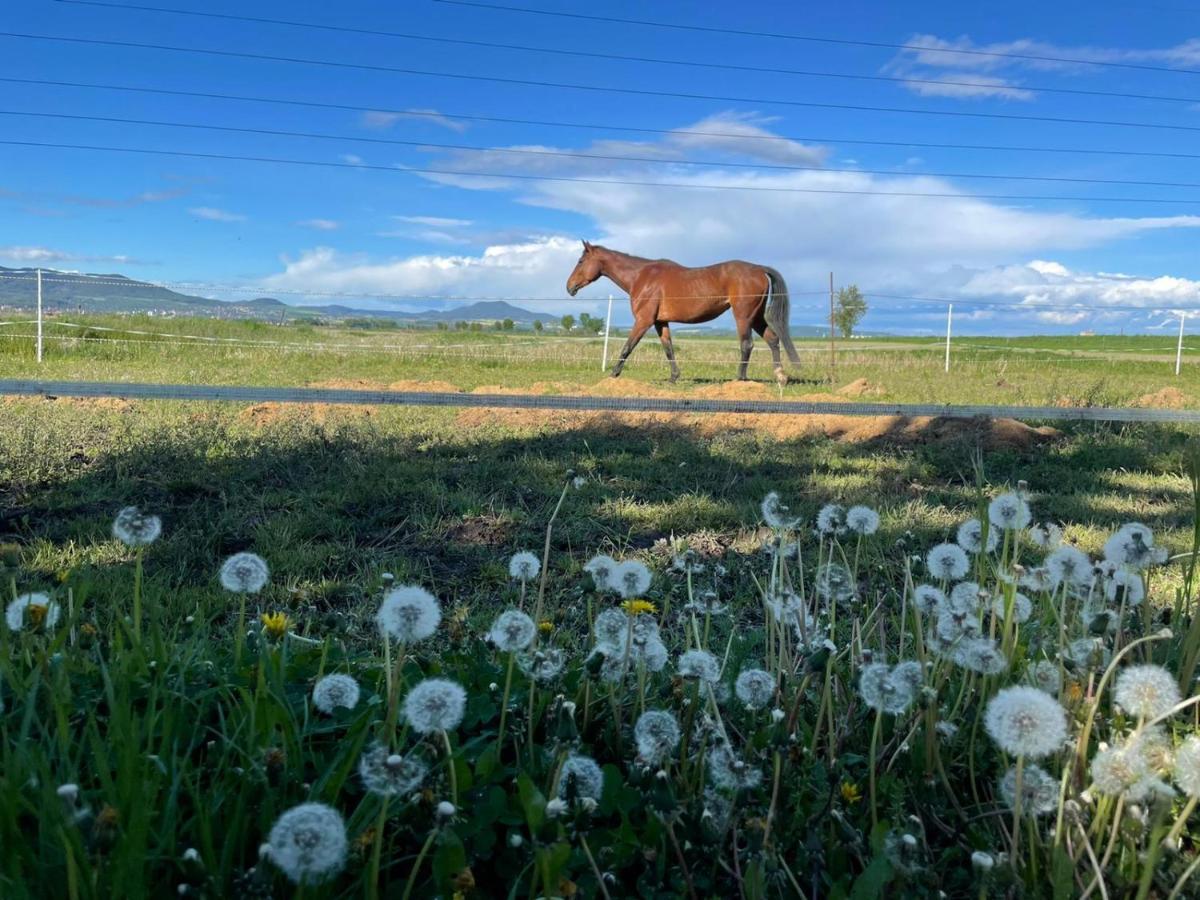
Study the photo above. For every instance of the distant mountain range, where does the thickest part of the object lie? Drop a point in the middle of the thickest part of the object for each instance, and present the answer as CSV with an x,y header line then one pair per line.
x,y
113,293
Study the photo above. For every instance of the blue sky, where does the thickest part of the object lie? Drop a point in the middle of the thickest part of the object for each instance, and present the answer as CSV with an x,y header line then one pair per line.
x,y
306,233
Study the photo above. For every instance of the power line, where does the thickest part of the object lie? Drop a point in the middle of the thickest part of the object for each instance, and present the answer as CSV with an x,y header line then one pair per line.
x,y
619,57
607,89
593,126
459,173
526,151
824,40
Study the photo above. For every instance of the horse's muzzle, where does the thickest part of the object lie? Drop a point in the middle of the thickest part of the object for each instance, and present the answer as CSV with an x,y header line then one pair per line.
x,y
572,290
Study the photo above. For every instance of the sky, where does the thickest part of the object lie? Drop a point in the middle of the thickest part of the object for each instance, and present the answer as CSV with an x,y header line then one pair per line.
x,y
823,163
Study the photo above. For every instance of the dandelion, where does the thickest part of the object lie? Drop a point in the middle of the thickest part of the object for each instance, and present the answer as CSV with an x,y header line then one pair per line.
x,y
512,632
776,514
436,704
35,610
275,625
1069,565
1037,578
831,520
1186,772
1156,751
834,583
244,573
1024,721
524,566
134,528
699,664
970,537
543,665
631,578
611,629
862,520
639,607
1088,654
581,779
964,598
656,735
1148,789
982,862
755,688
1045,676
408,614
928,599
308,843
1046,535
1009,512
980,654
389,774
602,569
888,690
851,793
947,562
1039,791
1022,608
1132,545
335,691
729,772
555,808
1146,691
1116,769
1125,587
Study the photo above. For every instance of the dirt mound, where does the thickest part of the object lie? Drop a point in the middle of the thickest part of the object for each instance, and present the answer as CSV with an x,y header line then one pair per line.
x,y
737,390
858,388
433,387
264,415
1167,398
361,384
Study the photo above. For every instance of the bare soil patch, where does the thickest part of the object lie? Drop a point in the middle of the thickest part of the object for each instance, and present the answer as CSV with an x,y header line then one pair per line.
x,y
1167,398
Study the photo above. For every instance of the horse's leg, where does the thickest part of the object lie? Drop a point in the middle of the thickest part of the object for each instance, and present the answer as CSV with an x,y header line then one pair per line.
x,y
635,334
664,335
772,340
746,342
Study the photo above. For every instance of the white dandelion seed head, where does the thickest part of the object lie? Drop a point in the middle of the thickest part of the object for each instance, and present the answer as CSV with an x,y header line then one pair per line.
x,y
602,568
952,626
776,513
612,630
831,520
948,562
134,528
524,566
1037,579
408,614
308,843
862,520
512,631
1116,769
244,573
435,704
1045,676
1046,535
17,614
1186,771
1146,691
445,810
389,774
1149,789
946,729
1024,721
970,537
1069,565
699,664
335,691
834,583
1022,607
755,688
1088,654
631,579
581,778
1125,587
980,654
1009,512
656,735
729,772
929,599
543,665
555,808
982,862
1132,545
1039,792
964,597
652,654
888,690
1156,750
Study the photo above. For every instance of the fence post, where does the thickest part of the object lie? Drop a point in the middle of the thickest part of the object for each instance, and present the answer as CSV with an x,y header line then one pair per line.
x,y
949,318
1179,346
607,328
832,338
39,315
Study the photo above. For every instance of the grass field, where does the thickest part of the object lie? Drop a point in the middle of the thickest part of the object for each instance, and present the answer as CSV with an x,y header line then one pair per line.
x,y
194,736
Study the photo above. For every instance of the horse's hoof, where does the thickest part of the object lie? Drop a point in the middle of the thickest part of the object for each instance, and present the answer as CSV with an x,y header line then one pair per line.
x,y
615,375
674,378
781,377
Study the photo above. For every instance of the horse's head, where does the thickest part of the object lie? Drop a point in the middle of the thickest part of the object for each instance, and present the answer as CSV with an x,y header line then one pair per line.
x,y
586,270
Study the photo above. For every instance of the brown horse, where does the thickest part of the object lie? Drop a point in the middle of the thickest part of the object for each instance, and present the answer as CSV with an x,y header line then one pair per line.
x,y
661,292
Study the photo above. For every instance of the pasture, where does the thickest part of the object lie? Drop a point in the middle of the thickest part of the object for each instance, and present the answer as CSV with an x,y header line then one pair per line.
x,y
181,725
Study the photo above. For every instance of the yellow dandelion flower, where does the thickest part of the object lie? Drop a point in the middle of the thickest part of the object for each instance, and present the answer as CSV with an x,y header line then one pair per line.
x,y
545,627
275,624
1074,692
850,792
637,607
35,613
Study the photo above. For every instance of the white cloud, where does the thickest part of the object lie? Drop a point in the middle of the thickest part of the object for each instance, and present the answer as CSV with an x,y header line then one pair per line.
x,y
320,224
435,221
380,120
351,158
213,214
968,87
37,255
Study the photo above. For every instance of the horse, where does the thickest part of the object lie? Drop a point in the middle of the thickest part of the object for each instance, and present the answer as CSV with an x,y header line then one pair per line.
x,y
661,292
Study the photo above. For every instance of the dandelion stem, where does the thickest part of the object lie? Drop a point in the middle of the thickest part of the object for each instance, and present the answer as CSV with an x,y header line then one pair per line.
x,y
872,761
137,597
1016,826
412,876
587,851
1181,820
377,850
774,797
450,767
512,659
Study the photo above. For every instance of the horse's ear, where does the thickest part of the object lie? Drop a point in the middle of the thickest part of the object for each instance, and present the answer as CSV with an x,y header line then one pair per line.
x,y
586,246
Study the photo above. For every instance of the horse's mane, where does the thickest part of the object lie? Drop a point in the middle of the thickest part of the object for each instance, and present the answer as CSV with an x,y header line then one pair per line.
x,y
629,256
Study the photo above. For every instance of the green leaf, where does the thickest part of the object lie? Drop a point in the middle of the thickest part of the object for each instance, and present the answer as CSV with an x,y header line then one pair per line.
x,y
873,880
448,860
532,802
1061,872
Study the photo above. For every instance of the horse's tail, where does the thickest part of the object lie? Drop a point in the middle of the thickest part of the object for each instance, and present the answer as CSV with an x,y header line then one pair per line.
x,y
777,311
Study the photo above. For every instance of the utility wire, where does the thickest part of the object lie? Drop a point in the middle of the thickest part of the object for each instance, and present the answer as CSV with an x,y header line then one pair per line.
x,y
564,154
923,48
594,126
607,89
619,57
459,173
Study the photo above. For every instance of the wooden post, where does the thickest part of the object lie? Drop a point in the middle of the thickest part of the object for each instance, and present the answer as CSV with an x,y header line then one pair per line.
x,y
832,339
